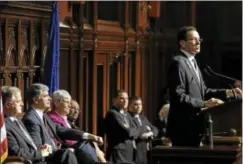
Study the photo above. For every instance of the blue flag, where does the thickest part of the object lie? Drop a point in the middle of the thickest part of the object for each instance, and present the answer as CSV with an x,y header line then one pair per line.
x,y
52,61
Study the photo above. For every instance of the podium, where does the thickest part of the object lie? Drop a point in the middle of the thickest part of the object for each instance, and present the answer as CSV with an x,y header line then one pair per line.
x,y
191,155
225,117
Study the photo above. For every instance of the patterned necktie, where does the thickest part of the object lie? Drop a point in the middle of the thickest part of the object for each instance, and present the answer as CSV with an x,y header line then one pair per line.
x,y
25,133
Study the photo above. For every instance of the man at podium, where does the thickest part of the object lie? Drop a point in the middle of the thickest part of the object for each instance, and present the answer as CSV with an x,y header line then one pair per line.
x,y
189,95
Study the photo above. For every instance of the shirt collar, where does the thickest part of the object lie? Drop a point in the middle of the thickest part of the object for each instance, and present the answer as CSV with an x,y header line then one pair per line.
x,y
136,115
12,118
188,55
121,111
40,114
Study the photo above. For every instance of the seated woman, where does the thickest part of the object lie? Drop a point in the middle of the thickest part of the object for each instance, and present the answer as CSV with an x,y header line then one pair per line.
x,y
61,101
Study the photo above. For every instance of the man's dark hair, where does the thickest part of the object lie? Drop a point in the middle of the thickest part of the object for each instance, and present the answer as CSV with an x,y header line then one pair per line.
x,y
34,91
119,91
135,98
182,34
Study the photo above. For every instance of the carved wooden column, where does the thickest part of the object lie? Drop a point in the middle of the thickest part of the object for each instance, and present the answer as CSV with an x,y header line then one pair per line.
x,y
94,79
126,61
81,64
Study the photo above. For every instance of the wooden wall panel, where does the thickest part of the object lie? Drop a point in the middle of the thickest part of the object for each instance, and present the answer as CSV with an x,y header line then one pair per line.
x,y
22,42
135,50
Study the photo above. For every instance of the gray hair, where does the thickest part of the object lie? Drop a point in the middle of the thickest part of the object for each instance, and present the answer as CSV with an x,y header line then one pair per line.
x,y
61,95
8,92
34,91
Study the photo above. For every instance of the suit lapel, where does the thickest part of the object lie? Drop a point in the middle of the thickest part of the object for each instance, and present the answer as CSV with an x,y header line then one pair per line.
x,y
190,68
40,121
18,130
201,79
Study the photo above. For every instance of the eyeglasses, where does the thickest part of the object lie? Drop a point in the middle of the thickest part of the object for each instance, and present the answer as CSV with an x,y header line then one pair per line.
x,y
200,40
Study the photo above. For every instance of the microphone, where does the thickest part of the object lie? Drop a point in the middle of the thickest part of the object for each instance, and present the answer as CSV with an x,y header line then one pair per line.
x,y
208,70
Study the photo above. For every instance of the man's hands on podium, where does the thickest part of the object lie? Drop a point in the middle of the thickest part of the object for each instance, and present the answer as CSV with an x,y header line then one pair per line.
x,y
237,91
212,102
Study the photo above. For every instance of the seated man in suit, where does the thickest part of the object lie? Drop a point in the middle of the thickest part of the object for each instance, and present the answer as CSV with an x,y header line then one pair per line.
x,y
61,107
19,141
142,143
43,130
121,131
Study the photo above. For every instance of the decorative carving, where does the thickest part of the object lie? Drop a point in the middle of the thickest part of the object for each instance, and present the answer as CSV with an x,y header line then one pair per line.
x,y
33,54
24,37
44,55
12,36
6,75
37,39
24,56
144,6
19,74
31,74
11,56
28,9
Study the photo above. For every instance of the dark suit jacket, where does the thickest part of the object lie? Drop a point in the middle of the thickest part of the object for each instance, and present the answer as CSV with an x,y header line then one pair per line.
x,y
187,97
119,136
141,145
18,144
39,133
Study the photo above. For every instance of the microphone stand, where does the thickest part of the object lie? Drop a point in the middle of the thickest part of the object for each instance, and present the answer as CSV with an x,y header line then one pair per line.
x,y
208,70
233,91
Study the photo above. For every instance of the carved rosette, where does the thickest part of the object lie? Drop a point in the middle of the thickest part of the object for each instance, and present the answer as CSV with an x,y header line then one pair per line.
x,y
6,75
19,74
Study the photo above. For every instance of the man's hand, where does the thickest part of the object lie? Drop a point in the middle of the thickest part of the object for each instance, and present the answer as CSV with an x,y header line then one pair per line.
x,y
98,139
145,136
213,102
44,151
47,147
238,92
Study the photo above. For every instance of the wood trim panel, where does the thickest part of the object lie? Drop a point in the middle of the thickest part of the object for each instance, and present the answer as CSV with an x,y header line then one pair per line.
x,y
94,126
